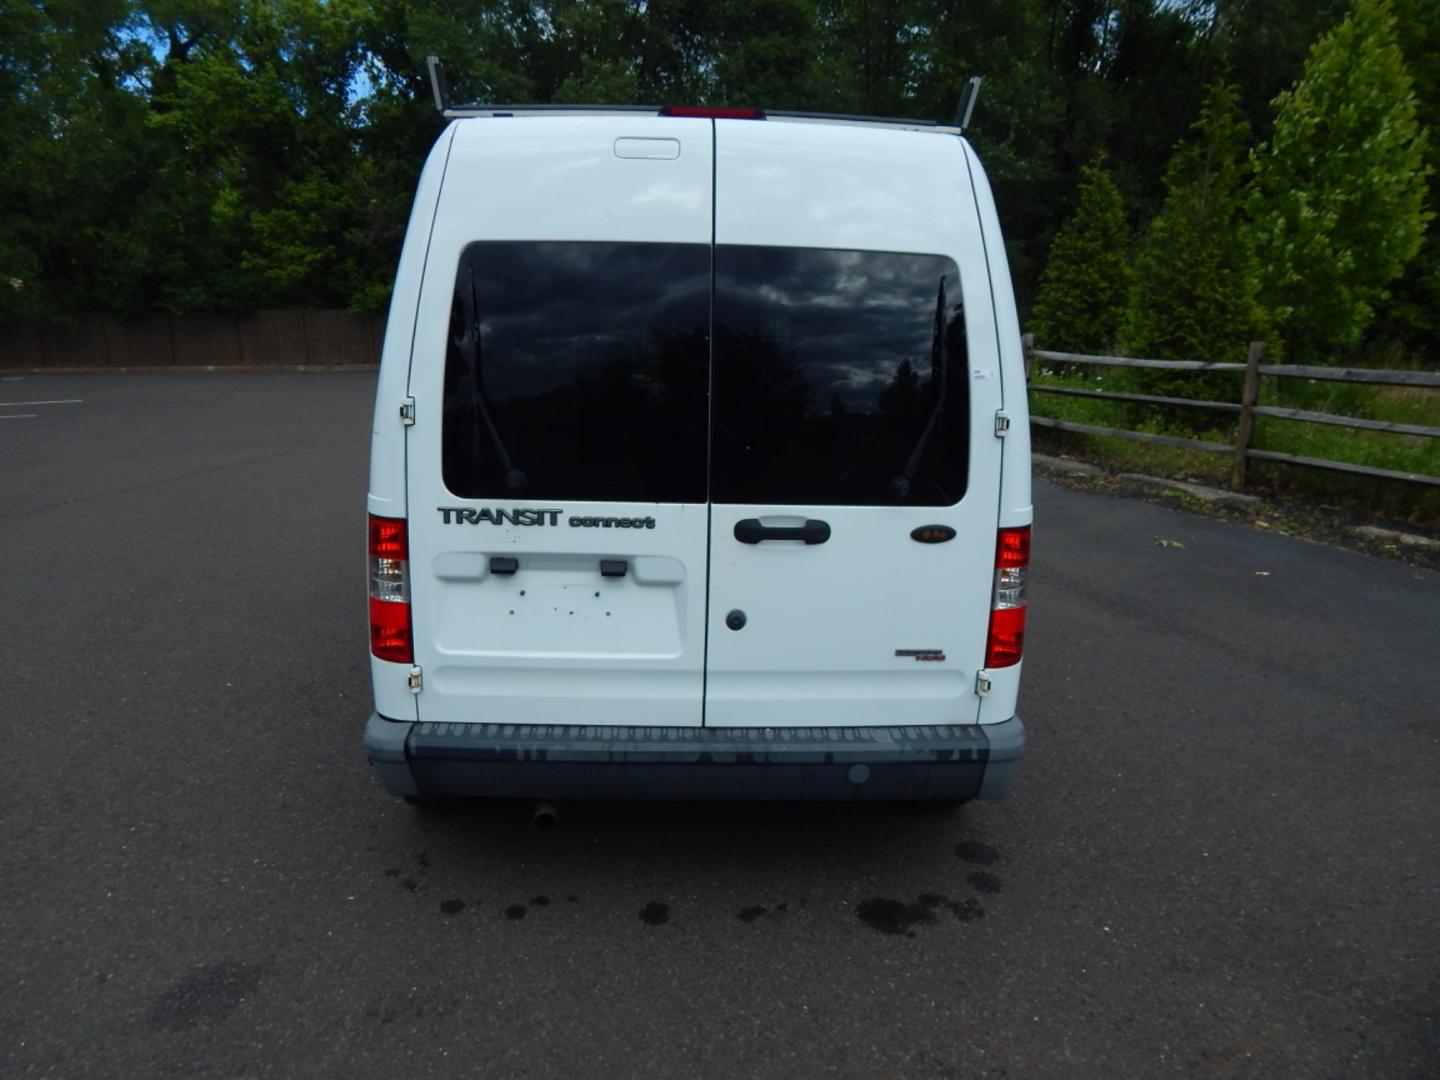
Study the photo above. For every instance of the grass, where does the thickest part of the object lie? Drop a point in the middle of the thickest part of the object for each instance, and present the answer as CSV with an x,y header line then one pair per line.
x,y
1396,500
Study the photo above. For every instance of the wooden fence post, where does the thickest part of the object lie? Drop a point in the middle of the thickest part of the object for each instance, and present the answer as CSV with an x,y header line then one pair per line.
x,y
1027,343
1246,426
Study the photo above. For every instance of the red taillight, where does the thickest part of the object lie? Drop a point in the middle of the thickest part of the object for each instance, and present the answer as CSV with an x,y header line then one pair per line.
x,y
1006,642
713,113
1012,548
388,538
390,637
390,631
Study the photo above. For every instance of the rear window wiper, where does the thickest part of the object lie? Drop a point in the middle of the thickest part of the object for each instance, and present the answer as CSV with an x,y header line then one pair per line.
x,y
470,346
939,361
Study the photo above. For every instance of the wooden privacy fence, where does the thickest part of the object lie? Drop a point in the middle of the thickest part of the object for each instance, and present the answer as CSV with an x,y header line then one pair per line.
x,y
314,338
1246,409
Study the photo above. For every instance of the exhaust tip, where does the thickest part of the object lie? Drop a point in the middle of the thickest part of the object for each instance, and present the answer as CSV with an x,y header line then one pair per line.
x,y
546,817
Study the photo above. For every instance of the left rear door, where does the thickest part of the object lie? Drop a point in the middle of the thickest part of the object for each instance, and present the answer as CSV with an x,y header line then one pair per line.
x,y
557,464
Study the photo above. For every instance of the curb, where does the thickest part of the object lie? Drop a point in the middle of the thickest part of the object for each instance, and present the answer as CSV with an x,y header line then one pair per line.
x,y
1158,483
1395,536
1198,491
1066,465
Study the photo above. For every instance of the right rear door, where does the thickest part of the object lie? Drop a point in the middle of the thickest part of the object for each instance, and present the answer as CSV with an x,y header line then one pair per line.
x,y
854,391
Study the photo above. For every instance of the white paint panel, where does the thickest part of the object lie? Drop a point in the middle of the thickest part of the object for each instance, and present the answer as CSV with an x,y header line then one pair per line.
x,y
558,178
387,446
824,622
386,497
1015,500
556,642
845,187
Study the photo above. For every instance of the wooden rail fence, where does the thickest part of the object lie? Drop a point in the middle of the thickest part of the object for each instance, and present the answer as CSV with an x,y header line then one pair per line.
x,y
317,338
1246,409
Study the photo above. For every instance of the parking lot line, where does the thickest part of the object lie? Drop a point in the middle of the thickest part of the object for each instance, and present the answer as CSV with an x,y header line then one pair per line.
x,y
20,416
66,401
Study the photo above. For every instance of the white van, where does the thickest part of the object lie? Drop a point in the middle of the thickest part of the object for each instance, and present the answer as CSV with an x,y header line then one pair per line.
x,y
700,465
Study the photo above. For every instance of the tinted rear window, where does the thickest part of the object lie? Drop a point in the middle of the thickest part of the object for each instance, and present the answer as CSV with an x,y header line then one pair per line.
x,y
578,371
581,371
840,377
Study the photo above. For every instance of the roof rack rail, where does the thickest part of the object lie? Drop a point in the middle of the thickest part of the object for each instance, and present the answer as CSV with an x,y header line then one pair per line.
x,y
440,87
478,109
800,114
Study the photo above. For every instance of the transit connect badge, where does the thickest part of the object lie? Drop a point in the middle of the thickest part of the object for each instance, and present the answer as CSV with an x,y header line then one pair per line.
x,y
468,515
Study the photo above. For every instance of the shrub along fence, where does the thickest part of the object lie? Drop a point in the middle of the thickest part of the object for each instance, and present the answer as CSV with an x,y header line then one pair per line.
x,y
318,338
1246,409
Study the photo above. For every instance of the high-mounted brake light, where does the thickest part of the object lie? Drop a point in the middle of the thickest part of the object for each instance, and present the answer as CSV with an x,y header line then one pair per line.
x,y
713,113
1006,641
390,590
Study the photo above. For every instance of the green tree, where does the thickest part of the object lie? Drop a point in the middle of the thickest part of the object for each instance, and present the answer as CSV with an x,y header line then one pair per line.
x,y
1083,291
75,160
1411,316
1339,201
1262,45
190,154
255,101
1195,287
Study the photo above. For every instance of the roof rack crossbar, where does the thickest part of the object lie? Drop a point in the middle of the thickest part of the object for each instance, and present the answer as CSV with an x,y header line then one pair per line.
x,y
459,111
440,87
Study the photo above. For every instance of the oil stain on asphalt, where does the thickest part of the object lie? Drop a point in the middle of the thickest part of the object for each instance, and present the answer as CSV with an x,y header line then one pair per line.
x,y
888,916
518,911
206,996
751,914
898,917
984,882
976,853
413,881
884,915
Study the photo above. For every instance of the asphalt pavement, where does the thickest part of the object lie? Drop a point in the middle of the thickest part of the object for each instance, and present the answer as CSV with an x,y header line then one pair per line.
x,y
1220,858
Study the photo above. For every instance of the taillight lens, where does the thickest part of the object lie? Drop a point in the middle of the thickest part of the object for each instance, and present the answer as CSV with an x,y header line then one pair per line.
x,y
1006,641
389,546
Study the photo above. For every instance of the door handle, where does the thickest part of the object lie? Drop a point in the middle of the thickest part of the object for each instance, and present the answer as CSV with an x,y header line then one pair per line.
x,y
750,531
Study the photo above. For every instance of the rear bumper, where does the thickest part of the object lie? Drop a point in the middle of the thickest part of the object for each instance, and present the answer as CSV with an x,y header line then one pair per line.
x,y
961,761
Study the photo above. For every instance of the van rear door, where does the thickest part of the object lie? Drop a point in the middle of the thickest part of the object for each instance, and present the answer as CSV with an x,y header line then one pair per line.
x,y
557,461
854,465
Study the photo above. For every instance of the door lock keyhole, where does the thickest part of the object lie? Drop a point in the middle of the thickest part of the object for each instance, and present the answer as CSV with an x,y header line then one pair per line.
x,y
735,620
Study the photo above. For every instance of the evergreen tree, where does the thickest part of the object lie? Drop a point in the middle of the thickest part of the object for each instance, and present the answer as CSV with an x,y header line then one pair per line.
x,y
1087,277
1412,314
1195,286
1338,206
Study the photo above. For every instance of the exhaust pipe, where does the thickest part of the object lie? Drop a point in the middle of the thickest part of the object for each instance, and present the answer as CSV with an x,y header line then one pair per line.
x,y
546,816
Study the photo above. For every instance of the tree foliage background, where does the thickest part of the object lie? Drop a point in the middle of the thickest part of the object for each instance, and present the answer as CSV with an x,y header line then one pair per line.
x,y
1083,290
1196,275
235,154
1338,206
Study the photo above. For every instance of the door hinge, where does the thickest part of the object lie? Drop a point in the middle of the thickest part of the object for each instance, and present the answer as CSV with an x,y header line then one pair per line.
x,y
982,683
1002,425
407,411
417,680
